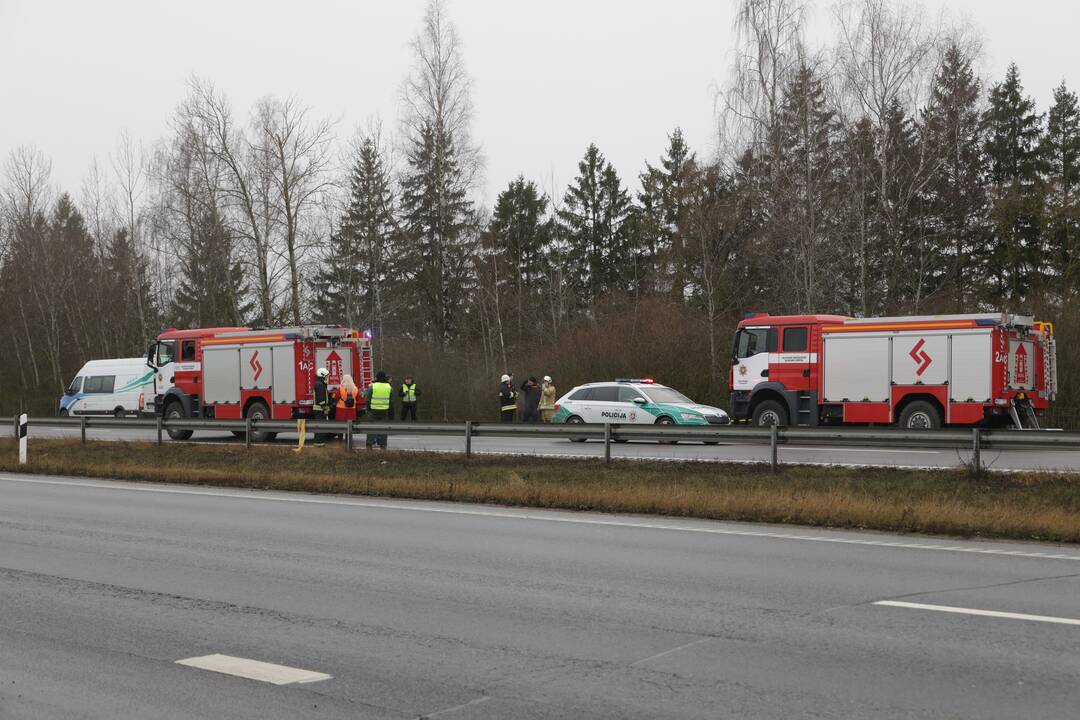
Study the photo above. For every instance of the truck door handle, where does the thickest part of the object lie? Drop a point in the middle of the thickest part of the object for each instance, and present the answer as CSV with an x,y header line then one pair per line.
x,y
764,373
806,372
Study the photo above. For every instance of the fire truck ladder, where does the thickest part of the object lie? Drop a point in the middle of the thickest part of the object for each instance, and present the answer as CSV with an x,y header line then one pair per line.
x,y
1023,415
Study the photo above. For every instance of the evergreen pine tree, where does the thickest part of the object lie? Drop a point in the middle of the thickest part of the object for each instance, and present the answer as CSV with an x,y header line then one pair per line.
x,y
806,183
353,285
437,214
520,234
1012,131
131,289
212,290
1061,153
593,218
956,200
664,208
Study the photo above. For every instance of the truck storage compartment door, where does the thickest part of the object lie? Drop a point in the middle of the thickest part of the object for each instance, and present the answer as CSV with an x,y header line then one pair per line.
x,y
284,375
1021,364
971,368
919,359
221,375
856,368
256,367
337,361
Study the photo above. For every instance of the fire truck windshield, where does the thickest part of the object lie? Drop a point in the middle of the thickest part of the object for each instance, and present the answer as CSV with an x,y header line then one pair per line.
x,y
751,341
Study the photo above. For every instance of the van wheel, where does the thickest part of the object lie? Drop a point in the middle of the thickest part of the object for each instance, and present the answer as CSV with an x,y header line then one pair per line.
x,y
920,415
770,412
64,413
119,413
258,411
665,420
175,411
575,420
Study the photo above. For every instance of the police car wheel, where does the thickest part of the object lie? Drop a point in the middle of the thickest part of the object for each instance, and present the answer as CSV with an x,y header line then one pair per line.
x,y
667,421
712,442
575,420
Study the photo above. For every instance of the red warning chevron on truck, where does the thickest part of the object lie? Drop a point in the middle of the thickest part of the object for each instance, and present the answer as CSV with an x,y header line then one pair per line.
x,y
256,365
915,372
920,357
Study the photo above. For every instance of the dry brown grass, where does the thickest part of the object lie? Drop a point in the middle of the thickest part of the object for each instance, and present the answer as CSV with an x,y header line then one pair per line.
x,y
1024,506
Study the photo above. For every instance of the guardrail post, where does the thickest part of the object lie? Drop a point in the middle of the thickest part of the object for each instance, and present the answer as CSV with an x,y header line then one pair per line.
x,y
82,428
774,456
607,443
348,435
468,438
247,432
159,424
976,451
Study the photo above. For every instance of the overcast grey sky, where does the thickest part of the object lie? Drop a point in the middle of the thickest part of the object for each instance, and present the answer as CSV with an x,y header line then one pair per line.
x,y
549,77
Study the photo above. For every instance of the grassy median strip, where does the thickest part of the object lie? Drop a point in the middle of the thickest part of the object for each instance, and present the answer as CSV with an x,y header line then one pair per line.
x,y
1035,506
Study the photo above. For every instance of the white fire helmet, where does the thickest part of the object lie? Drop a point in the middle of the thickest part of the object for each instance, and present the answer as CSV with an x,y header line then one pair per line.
x,y
504,378
322,372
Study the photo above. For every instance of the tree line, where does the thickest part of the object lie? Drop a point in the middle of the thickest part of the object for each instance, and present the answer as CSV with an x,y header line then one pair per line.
x,y
877,176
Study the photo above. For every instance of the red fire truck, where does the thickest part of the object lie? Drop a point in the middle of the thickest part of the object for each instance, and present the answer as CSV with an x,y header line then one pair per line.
x,y
234,372
916,372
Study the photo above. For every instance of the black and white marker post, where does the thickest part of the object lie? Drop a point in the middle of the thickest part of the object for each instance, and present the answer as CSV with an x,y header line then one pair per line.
x,y
23,424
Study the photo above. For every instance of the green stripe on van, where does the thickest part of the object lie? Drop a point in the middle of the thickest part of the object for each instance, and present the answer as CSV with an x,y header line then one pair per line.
x,y
145,379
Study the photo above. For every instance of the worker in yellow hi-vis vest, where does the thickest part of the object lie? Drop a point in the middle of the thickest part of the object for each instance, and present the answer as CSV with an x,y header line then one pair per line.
x,y
409,393
379,396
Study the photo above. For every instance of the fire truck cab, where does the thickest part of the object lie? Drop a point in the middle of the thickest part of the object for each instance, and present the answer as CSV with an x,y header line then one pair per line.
x,y
233,373
916,372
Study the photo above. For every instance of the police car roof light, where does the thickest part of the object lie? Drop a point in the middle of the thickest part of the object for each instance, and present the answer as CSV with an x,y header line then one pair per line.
x,y
643,381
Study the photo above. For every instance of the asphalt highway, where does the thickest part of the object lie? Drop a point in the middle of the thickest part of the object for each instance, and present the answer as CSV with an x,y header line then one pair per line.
x,y
842,455
419,609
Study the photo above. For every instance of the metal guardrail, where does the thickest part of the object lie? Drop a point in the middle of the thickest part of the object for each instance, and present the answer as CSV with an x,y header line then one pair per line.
x,y
974,439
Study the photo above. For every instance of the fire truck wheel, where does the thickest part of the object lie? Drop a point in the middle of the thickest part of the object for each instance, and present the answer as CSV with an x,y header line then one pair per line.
x,y
259,411
175,411
770,412
920,415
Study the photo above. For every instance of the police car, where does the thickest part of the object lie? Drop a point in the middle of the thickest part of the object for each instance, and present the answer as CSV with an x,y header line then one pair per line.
x,y
633,401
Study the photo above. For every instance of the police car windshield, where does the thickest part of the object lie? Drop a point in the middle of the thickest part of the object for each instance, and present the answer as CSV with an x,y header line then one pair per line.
x,y
665,395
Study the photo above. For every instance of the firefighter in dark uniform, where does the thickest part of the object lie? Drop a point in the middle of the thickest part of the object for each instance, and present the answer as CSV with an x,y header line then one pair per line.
x,y
321,408
379,396
507,399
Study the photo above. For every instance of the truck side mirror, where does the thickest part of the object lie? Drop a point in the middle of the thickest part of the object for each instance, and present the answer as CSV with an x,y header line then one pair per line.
x,y
150,357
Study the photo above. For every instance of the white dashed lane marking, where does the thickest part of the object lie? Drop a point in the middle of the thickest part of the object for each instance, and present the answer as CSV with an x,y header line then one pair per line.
x,y
253,669
980,613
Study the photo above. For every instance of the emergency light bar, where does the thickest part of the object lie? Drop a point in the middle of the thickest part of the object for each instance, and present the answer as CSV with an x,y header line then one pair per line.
x,y
643,381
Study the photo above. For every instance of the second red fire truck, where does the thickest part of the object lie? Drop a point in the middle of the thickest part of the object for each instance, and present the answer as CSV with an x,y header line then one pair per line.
x,y
915,372
263,374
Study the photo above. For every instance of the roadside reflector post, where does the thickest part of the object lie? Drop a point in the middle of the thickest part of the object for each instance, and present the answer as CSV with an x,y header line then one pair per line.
x,y
348,434
82,428
774,437
607,443
247,432
468,438
21,432
159,423
976,452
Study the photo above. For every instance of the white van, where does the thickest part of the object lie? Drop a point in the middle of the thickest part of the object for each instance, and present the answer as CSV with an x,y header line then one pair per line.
x,y
110,387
